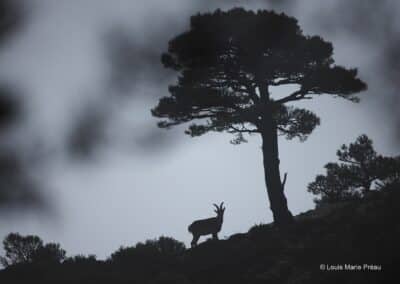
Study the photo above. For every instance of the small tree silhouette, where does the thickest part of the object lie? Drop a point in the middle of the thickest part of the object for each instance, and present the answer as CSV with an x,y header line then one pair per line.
x,y
29,249
20,249
359,169
228,60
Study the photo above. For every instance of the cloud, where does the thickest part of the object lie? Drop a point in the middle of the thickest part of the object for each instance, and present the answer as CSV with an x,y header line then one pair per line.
x,y
18,190
132,61
9,109
87,131
376,25
11,17
134,75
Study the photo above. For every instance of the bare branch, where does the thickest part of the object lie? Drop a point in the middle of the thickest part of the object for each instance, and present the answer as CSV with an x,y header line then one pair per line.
x,y
284,181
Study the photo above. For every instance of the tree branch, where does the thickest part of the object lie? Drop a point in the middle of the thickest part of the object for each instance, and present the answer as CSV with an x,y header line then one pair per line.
x,y
250,90
244,130
199,116
349,161
283,130
298,95
283,82
284,181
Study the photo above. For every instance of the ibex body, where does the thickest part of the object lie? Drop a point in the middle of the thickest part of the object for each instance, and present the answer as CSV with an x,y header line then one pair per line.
x,y
207,226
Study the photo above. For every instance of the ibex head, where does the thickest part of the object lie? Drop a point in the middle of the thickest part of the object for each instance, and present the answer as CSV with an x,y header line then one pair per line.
x,y
219,210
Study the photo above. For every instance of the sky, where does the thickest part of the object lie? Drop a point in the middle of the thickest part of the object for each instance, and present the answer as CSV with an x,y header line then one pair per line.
x,y
87,73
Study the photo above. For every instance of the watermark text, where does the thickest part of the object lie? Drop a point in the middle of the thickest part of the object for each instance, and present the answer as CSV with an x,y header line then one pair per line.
x,y
350,267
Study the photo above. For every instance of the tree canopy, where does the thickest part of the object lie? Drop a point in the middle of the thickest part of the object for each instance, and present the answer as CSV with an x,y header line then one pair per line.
x,y
226,62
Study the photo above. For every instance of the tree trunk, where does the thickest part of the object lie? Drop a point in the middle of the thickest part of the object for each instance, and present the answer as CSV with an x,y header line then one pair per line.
x,y
277,199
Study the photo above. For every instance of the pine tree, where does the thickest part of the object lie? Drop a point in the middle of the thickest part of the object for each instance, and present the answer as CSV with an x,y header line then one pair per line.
x,y
227,63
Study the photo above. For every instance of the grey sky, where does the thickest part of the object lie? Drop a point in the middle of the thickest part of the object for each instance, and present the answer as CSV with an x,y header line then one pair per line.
x,y
140,182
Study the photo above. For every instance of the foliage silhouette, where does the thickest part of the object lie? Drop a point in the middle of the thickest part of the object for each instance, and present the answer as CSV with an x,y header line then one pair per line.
x,y
150,257
20,249
228,60
49,253
360,169
80,259
30,249
164,246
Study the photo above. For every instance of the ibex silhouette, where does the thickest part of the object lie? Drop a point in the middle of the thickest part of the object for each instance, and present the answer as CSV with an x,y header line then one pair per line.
x,y
207,226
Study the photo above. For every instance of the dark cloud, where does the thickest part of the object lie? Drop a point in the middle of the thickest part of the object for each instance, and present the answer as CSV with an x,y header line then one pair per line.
x,y
87,131
9,108
357,19
18,190
11,15
132,60
10,21
133,65
154,140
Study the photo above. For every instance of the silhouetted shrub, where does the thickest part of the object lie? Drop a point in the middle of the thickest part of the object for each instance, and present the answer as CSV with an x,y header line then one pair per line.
x,y
260,229
153,256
